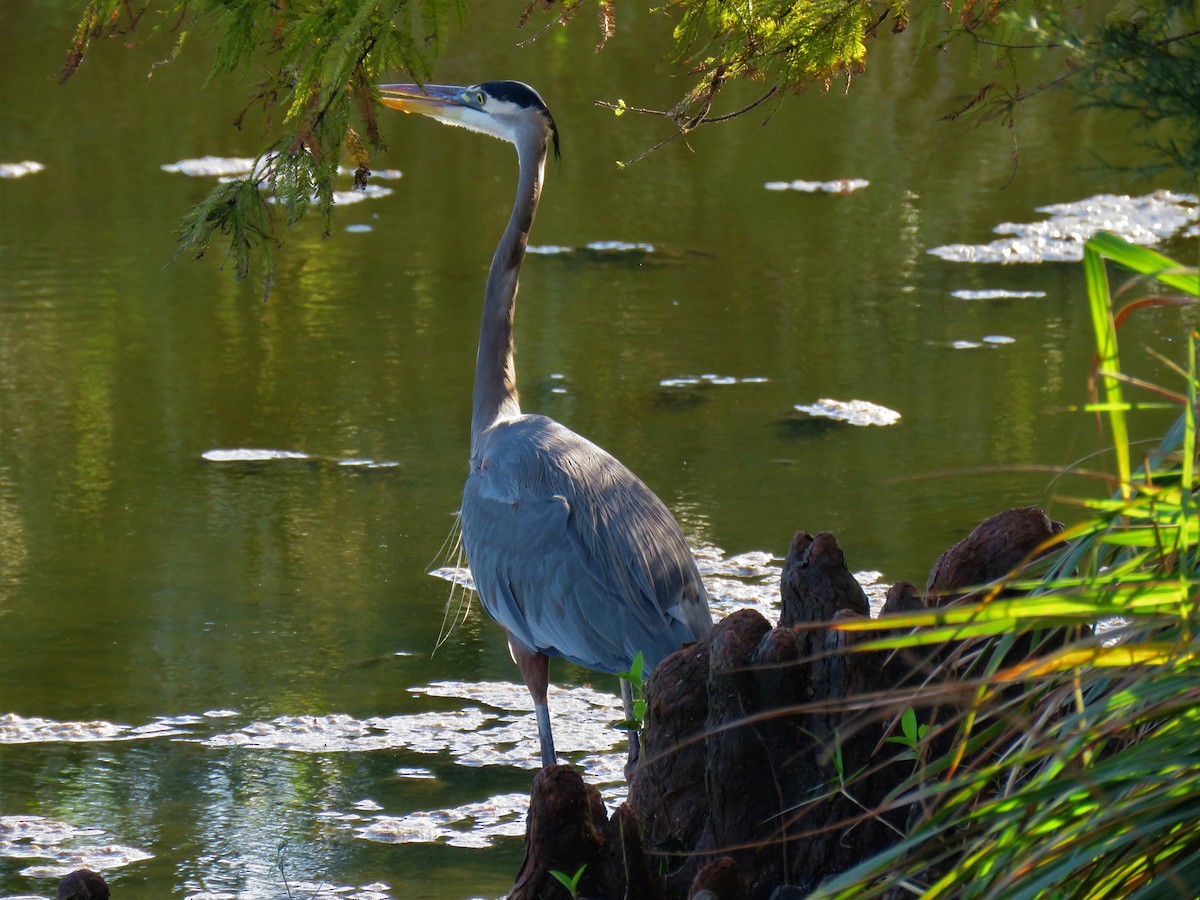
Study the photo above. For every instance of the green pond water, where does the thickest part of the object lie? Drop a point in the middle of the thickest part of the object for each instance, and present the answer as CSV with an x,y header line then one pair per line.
x,y
217,675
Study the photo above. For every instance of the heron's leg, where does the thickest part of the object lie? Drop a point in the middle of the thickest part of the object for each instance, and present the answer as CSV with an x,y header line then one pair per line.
x,y
535,669
635,740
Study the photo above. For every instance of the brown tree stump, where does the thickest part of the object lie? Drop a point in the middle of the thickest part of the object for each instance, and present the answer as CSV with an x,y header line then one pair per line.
x,y
564,830
757,771
994,548
815,583
721,879
626,869
83,884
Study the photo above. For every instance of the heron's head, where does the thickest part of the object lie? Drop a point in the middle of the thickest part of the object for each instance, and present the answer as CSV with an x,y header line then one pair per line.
x,y
508,110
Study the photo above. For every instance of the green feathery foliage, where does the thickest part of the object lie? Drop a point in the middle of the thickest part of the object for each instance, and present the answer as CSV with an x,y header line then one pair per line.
x,y
1140,57
323,58
783,42
323,61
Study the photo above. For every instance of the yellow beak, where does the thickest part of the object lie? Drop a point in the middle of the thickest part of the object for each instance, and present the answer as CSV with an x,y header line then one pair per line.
x,y
443,100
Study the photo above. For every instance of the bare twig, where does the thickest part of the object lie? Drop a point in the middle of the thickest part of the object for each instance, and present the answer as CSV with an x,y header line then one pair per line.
x,y
685,128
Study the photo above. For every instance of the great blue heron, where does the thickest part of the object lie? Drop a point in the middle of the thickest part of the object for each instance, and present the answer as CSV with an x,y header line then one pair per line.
x,y
571,553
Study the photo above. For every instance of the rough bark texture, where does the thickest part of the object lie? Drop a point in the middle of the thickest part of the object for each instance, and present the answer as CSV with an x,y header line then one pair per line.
x,y
816,583
565,830
755,771
993,549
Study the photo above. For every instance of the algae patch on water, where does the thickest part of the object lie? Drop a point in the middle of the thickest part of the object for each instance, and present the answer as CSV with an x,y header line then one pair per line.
x,y
852,412
1060,237
61,848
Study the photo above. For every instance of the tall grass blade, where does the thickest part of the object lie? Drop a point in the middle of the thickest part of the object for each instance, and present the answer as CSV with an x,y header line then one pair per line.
x,y
1069,769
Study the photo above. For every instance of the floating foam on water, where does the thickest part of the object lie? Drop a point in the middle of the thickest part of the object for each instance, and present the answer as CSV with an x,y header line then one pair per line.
x,y
710,378
619,247
375,891
752,564
875,588
837,186
474,825
246,454
16,729
742,581
459,575
339,733
347,198
1060,238
358,195
852,412
254,454
358,229
414,772
996,294
20,170
62,847
227,167
548,249
505,695
990,340
368,463
474,737
212,166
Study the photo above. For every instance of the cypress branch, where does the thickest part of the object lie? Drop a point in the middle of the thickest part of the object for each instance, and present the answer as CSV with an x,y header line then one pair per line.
x,y
326,56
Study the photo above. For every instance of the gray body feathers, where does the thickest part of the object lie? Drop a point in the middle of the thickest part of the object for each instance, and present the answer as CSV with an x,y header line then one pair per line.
x,y
573,554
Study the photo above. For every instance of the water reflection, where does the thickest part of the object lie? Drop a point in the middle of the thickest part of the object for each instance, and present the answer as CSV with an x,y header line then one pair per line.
x,y
261,784
178,634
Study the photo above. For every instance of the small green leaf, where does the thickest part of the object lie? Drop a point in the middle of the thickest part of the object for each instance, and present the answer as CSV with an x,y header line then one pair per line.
x,y
571,883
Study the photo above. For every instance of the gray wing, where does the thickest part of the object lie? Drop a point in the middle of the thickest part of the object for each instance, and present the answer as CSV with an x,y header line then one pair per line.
x,y
573,554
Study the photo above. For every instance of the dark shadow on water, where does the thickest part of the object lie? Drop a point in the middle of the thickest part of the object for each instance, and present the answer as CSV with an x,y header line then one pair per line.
x,y
795,428
679,398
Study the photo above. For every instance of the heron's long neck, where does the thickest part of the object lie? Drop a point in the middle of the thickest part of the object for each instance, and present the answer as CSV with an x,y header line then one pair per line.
x,y
495,370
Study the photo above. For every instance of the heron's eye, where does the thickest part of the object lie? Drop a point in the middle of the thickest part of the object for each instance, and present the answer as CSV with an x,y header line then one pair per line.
x,y
481,98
